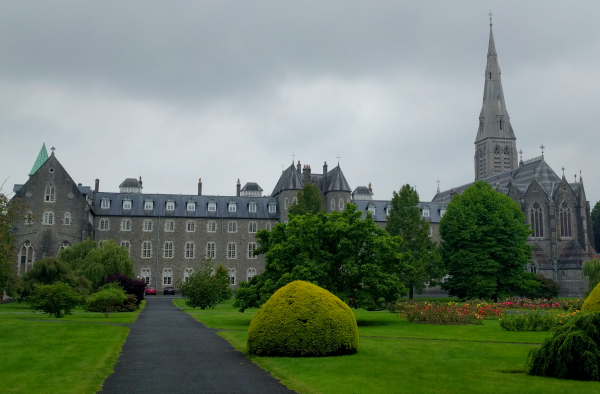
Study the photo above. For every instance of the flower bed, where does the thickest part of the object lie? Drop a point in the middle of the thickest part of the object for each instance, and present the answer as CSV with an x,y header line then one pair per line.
x,y
436,313
534,321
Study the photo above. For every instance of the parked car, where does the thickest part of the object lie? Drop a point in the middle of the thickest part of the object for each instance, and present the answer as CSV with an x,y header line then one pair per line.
x,y
169,290
150,290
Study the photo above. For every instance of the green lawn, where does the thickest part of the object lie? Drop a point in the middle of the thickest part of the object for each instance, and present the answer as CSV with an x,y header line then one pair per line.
x,y
42,354
397,356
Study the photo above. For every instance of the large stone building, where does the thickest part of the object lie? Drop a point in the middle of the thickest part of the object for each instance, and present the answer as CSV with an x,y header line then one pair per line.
x,y
171,235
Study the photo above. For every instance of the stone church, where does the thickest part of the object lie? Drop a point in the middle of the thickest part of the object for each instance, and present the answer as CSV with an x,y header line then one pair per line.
x,y
169,236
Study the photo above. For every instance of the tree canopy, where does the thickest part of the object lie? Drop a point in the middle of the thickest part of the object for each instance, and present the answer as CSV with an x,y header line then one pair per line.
x,y
309,200
11,213
340,252
206,289
596,224
484,245
421,254
97,262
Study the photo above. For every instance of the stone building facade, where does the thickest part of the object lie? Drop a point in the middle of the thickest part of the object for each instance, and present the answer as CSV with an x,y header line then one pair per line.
x,y
170,236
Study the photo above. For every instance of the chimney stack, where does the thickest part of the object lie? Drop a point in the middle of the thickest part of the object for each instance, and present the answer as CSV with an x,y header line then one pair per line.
x,y
325,169
370,189
306,173
200,186
298,167
97,186
140,181
238,188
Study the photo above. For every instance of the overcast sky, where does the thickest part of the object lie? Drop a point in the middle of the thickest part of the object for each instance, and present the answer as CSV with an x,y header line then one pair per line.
x,y
175,91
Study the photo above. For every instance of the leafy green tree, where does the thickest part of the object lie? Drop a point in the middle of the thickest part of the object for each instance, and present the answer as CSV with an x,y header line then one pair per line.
x,y
204,289
484,245
595,215
57,299
421,254
591,269
97,262
309,200
11,213
109,298
340,252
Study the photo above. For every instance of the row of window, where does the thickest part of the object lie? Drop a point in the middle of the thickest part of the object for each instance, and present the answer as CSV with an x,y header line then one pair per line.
x,y
190,205
189,250
167,275
190,226
425,212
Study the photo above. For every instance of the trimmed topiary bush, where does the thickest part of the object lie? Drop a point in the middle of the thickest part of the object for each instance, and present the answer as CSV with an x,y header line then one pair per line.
x,y
301,320
573,352
592,302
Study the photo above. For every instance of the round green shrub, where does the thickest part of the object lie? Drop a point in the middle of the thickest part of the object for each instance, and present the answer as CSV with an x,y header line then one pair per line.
x,y
302,319
572,352
592,302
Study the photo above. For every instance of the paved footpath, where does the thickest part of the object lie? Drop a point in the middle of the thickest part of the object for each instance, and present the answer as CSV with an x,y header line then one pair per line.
x,y
168,351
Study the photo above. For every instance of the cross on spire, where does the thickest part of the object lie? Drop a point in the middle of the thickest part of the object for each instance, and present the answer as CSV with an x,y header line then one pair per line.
x,y
338,157
542,148
293,157
53,149
490,14
438,182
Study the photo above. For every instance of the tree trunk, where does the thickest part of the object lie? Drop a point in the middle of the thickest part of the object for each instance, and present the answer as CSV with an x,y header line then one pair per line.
x,y
411,293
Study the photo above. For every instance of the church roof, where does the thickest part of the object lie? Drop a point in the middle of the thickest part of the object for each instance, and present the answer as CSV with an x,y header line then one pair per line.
x,y
290,179
41,159
336,181
494,121
536,168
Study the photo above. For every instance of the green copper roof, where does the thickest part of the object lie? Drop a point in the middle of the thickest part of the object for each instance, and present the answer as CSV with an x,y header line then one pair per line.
x,y
41,159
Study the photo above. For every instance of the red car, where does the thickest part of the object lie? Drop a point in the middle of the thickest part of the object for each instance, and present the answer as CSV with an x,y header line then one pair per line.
x,y
150,290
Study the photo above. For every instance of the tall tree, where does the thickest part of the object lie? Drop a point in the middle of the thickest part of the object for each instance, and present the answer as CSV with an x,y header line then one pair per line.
x,y
309,200
340,252
484,245
97,262
421,254
11,212
596,225
206,288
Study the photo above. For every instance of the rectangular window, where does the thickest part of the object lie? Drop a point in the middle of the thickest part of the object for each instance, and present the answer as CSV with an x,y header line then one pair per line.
x,y
148,205
127,204
210,250
190,226
170,205
232,207
146,249
211,226
231,250
191,206
168,252
105,203
272,208
212,207
147,225
169,226
167,280
252,207
189,250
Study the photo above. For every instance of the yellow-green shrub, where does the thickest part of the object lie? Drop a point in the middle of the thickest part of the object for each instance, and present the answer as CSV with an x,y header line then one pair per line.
x,y
592,302
302,319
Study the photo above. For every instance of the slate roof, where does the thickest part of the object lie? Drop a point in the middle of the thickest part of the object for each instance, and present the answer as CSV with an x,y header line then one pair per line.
x,y
521,177
291,179
336,181
363,190
160,200
382,205
41,159
130,182
85,190
252,187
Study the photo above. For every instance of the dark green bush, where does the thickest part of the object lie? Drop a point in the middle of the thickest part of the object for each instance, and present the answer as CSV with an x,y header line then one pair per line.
x,y
302,319
57,299
109,298
572,352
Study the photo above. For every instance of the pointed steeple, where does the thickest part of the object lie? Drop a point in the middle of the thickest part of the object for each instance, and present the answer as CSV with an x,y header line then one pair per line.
x,y
41,159
495,143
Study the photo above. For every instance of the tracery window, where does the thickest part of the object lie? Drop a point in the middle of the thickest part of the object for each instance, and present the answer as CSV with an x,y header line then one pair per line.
x,y
333,204
272,207
168,250
231,250
147,224
105,204
26,257
104,225
252,227
167,276
146,249
232,227
252,206
341,204
565,220
536,219
146,273
48,218
126,225
169,225
67,219
190,249
232,276
190,226
251,273
50,195
251,249
211,226
210,250
269,226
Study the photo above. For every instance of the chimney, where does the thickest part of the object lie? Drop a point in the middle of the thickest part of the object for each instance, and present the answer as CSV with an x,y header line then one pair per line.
x,y
298,167
97,187
239,186
370,188
306,174
140,181
200,186
325,169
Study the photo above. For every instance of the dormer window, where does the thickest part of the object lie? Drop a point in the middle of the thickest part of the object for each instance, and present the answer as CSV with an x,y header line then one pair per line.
x,y
232,206
212,206
105,204
425,212
388,210
442,211
371,208
170,205
272,207
127,204
191,206
148,205
252,206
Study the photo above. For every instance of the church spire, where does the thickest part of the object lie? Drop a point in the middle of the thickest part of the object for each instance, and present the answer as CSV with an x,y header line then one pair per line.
x,y
41,159
495,146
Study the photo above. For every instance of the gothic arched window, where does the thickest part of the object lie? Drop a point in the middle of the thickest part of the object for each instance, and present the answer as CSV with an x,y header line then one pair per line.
x,y
507,150
536,218
50,195
565,220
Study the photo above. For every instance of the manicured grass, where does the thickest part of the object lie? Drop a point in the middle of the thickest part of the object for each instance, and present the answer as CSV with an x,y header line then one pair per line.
x,y
397,356
43,354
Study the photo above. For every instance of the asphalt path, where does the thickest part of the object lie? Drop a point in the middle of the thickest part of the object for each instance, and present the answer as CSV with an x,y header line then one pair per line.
x,y
168,351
